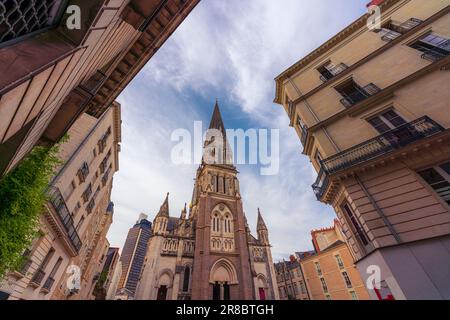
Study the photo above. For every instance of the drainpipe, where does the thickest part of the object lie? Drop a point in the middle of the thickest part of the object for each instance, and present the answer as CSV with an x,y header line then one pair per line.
x,y
379,210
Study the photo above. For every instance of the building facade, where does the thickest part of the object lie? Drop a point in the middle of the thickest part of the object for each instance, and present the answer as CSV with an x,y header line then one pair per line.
x,y
60,59
370,108
108,282
290,280
210,253
75,221
133,254
329,272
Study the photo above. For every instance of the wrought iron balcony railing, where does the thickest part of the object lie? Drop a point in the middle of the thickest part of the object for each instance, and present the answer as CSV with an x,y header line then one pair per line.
x,y
48,284
59,205
22,17
38,277
360,95
370,149
437,53
332,72
399,29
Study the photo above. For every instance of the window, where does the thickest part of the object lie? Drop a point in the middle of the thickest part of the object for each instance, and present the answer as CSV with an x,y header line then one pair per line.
x,y
303,129
438,178
80,223
324,285
353,295
87,193
355,223
392,29
187,273
353,93
94,151
433,46
318,157
328,70
339,261
325,71
387,121
302,287
347,279
295,288
76,209
318,269
83,172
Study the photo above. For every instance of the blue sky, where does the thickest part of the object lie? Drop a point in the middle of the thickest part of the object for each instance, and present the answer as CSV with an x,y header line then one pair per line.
x,y
230,50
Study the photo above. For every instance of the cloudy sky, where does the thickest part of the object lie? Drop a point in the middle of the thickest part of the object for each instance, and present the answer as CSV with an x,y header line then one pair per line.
x,y
230,50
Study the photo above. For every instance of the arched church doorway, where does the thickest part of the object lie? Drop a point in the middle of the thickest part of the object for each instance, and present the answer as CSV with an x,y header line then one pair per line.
x,y
222,277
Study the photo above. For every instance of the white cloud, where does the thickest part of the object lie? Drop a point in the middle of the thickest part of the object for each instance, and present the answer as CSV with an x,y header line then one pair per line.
x,y
232,49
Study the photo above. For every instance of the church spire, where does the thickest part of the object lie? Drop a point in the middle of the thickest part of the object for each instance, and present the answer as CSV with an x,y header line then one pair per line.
x,y
184,212
216,145
216,119
164,209
261,225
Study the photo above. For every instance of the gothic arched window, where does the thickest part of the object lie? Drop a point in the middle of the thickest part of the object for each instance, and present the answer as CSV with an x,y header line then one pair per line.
x,y
222,229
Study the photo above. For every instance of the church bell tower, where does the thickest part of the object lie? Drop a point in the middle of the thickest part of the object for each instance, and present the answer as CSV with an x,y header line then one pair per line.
x,y
222,266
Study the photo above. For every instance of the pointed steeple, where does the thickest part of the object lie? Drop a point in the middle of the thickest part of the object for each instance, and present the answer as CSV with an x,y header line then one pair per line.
x,y
164,209
220,152
260,225
184,212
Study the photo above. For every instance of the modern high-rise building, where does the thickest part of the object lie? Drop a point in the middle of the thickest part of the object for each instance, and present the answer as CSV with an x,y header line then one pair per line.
x,y
370,107
133,253
73,226
60,59
209,254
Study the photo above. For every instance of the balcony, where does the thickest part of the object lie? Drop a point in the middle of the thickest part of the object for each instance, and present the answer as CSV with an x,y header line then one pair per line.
x,y
385,143
65,217
359,95
437,53
37,278
19,18
395,30
330,73
48,284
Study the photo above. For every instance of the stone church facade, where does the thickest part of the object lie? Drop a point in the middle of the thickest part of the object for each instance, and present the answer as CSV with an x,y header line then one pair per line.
x,y
209,254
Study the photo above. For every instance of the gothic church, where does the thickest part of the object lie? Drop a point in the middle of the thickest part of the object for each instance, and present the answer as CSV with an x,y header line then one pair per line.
x,y
209,254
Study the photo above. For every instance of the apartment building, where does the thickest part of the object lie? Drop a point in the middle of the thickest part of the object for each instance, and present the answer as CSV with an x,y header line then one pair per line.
x,y
60,59
329,272
73,226
290,281
113,271
370,107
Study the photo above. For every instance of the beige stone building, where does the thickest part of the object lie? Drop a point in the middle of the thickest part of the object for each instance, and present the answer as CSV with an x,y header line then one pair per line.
x,y
370,107
209,254
290,280
114,269
329,271
75,221
60,59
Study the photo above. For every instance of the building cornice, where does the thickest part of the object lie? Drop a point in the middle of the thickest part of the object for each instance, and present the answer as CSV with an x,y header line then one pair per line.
x,y
341,36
